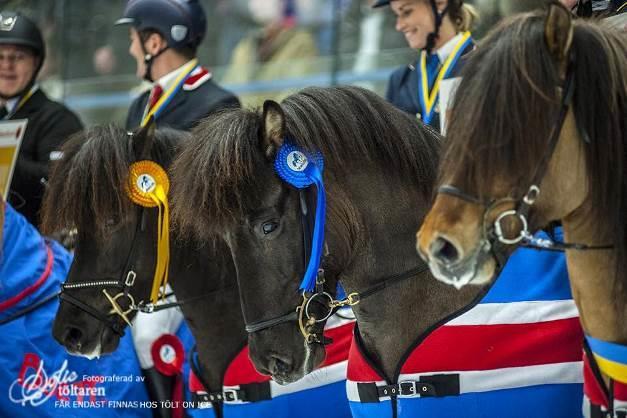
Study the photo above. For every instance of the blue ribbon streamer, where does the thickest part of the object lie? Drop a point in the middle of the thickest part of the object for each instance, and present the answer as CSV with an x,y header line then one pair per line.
x,y
302,169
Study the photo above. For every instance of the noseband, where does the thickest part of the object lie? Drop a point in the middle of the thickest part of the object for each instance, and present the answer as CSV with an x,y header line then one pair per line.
x,y
494,234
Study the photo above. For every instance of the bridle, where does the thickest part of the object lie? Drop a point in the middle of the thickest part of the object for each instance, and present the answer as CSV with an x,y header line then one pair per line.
x,y
493,234
308,323
124,283
311,325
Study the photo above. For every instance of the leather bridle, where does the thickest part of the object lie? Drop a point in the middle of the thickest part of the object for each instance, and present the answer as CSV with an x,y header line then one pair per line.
x,y
493,234
124,283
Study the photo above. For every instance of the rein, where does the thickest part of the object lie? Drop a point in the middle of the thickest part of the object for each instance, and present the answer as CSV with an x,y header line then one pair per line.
x,y
494,234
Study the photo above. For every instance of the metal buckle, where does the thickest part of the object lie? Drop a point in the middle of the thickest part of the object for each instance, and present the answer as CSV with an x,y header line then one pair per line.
x,y
412,389
130,278
230,395
408,388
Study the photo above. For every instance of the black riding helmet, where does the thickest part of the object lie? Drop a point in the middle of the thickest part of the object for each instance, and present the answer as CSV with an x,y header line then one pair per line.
x,y
182,23
451,5
17,29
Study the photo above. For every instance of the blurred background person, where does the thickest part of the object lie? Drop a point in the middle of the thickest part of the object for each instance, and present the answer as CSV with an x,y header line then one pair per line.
x,y
22,54
440,31
164,38
278,50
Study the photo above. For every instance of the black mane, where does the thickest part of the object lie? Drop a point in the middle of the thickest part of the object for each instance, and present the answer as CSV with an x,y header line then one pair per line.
x,y
87,187
346,124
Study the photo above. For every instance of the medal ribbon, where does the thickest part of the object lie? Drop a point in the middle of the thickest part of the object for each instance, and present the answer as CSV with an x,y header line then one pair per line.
x,y
428,99
169,93
21,103
611,358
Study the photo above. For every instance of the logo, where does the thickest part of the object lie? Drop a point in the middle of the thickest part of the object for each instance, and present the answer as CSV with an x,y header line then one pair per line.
x,y
178,32
167,353
297,161
7,23
35,385
146,183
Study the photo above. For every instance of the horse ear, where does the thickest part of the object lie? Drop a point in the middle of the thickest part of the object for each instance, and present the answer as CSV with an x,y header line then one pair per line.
x,y
558,31
143,139
273,128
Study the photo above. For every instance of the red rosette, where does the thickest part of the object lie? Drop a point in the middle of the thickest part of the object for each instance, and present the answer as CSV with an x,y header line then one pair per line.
x,y
168,354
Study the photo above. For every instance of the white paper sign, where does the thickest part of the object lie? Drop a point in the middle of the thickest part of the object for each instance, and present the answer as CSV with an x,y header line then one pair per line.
x,y
11,134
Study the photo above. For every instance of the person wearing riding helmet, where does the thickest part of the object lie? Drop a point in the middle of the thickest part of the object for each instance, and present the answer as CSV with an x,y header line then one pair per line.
x,y
164,36
22,54
439,29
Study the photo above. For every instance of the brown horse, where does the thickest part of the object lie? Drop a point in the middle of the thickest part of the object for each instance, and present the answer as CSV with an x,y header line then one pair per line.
x,y
540,137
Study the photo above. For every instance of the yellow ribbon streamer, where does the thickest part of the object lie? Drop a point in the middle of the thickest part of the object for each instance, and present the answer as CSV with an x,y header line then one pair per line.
x,y
148,187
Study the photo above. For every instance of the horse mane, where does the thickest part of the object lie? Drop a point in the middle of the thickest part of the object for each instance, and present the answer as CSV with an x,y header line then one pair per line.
x,y
87,186
348,125
509,103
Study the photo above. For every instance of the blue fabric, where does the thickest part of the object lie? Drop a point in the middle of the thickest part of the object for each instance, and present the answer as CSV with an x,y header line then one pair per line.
x,y
29,346
529,275
327,401
545,401
532,275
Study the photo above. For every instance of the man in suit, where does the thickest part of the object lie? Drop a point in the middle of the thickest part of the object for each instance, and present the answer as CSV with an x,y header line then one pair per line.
x,y
165,35
22,53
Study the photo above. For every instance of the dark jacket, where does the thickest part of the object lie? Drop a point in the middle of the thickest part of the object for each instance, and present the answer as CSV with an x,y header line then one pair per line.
x,y
49,125
194,101
402,90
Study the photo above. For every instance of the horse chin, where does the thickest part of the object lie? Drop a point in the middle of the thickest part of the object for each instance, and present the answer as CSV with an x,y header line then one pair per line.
x,y
477,269
107,343
314,356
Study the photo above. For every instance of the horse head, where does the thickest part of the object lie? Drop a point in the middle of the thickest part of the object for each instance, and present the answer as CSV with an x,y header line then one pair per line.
x,y
94,189
493,169
545,143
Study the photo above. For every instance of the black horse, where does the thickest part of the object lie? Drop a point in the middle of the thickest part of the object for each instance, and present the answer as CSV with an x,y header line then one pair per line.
x,y
379,168
88,191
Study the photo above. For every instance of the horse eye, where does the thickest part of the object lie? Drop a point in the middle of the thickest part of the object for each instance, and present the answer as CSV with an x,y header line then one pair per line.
x,y
268,227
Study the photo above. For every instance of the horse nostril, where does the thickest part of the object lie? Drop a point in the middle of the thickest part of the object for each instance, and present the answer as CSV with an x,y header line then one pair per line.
x,y
279,366
444,251
72,339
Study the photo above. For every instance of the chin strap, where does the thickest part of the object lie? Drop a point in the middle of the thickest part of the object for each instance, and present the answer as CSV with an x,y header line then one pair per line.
x,y
148,60
433,36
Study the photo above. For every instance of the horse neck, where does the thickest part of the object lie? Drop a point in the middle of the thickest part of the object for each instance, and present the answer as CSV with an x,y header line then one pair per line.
x,y
593,279
390,210
215,320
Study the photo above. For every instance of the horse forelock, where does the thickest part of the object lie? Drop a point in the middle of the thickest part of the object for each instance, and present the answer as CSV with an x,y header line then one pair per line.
x,y
87,186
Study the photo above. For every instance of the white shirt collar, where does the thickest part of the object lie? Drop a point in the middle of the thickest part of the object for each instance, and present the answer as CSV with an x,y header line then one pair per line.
x,y
445,50
12,102
166,81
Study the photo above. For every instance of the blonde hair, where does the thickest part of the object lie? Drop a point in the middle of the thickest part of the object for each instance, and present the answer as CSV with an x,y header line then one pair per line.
x,y
465,17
